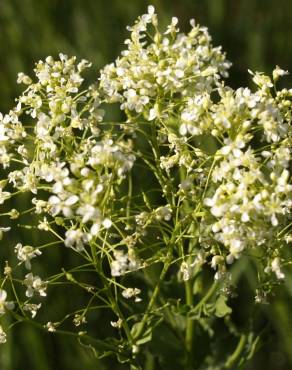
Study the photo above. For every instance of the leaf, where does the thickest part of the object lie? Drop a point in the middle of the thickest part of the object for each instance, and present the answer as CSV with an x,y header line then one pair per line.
x,y
167,345
198,285
146,336
221,308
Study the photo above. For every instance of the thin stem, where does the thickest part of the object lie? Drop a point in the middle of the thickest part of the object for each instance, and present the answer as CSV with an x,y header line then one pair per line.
x,y
152,300
189,336
233,358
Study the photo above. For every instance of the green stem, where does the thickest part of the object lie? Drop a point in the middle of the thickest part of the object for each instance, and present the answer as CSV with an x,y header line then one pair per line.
x,y
231,361
100,345
208,295
190,323
189,336
152,300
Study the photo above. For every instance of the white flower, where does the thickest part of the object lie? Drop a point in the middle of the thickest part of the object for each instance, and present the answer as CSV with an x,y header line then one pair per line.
x,y
94,230
76,238
32,308
278,72
152,114
107,223
23,79
34,284
180,64
276,268
172,27
134,101
120,265
151,10
216,261
117,324
40,205
185,270
3,137
44,224
79,320
3,230
2,335
123,263
51,326
26,253
3,304
131,292
88,213
164,212
43,126
63,205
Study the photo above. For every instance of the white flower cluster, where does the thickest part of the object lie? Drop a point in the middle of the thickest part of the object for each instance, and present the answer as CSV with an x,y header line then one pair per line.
x,y
11,131
148,76
252,194
123,263
198,173
79,180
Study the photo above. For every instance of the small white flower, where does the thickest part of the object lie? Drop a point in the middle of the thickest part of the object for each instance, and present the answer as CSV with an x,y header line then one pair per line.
x,y
79,320
3,304
44,225
131,292
151,10
4,195
51,326
76,238
63,205
217,261
94,230
88,213
279,72
34,284
3,230
163,212
123,263
185,270
23,79
274,220
117,324
276,268
32,308
107,223
26,253
152,114
2,335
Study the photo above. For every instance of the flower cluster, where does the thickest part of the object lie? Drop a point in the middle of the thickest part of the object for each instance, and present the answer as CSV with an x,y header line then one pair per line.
x,y
252,194
197,176
151,78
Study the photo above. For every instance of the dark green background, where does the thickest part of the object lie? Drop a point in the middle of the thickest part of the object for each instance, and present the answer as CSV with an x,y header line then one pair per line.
x,y
256,34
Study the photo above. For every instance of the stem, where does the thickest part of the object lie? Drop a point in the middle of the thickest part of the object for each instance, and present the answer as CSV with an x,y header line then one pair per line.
x,y
208,295
231,361
190,323
100,345
152,300
113,301
150,363
189,337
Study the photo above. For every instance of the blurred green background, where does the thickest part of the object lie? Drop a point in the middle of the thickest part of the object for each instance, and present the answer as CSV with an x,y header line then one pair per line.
x,y
256,34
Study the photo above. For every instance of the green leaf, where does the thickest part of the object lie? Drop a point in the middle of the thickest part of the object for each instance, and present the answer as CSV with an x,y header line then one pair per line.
x,y
198,285
146,336
221,308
